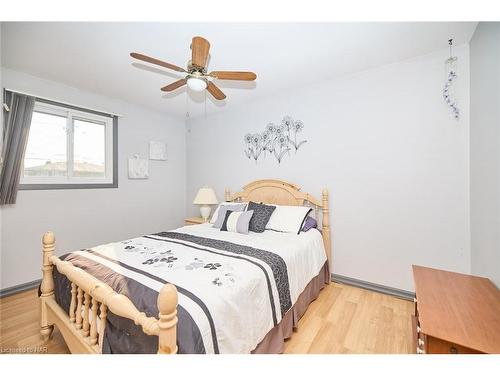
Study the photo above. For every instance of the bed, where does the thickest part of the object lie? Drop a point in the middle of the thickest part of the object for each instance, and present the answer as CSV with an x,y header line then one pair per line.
x,y
192,290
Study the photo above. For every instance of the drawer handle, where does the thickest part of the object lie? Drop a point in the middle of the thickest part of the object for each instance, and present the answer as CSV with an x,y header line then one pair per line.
x,y
421,342
420,351
415,299
453,350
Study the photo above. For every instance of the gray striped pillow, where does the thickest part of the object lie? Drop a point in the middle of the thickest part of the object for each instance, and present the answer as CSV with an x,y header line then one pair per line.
x,y
223,208
237,221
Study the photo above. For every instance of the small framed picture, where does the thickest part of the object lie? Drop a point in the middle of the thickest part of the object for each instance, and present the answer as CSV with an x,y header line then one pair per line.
x,y
138,168
157,150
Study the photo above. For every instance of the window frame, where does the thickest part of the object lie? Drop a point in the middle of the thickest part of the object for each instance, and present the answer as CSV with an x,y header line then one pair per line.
x,y
72,113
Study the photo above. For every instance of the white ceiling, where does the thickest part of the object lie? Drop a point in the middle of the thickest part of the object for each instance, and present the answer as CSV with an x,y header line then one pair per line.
x,y
95,56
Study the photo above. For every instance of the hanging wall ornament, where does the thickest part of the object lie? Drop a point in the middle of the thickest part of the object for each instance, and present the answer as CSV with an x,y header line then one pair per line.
x,y
277,140
451,76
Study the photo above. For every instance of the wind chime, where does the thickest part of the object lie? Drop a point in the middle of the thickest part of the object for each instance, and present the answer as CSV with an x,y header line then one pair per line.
x,y
451,76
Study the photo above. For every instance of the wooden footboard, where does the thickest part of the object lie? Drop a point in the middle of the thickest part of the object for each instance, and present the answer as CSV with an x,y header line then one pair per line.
x,y
90,301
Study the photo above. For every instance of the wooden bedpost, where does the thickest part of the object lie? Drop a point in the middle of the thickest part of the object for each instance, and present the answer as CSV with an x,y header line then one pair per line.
x,y
47,285
167,306
227,194
326,229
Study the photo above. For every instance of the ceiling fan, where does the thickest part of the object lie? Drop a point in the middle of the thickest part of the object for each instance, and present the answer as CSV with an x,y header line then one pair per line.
x,y
197,77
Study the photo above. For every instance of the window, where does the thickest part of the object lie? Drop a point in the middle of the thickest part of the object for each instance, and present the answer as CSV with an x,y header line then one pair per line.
x,y
69,147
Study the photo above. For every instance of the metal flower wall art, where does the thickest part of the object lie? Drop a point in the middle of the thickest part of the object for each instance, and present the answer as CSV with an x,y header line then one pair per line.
x,y
450,78
278,140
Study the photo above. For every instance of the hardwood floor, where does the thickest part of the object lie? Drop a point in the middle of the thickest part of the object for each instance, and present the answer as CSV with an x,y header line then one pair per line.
x,y
20,326
343,319
346,319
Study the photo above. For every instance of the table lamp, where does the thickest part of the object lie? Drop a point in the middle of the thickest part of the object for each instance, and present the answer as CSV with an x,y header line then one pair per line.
x,y
205,197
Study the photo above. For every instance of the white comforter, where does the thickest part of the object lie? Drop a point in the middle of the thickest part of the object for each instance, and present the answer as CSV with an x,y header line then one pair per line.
x,y
236,289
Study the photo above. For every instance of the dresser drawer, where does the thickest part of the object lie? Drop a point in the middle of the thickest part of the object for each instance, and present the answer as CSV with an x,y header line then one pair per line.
x,y
423,344
438,346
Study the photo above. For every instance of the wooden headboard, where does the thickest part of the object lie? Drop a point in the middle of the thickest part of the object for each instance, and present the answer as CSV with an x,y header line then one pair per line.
x,y
285,193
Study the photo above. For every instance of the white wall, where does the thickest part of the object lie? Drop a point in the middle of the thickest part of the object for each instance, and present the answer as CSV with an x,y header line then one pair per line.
x,y
83,218
485,151
385,145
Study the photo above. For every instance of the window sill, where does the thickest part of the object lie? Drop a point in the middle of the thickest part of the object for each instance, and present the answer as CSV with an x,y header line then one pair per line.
x,y
109,185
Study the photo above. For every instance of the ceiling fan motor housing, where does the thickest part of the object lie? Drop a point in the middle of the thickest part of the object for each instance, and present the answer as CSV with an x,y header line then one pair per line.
x,y
194,68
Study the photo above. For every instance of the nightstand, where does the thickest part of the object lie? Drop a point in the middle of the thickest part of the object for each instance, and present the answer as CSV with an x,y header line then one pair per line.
x,y
194,220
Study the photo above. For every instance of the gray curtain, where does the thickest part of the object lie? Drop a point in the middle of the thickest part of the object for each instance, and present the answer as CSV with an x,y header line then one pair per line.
x,y
16,127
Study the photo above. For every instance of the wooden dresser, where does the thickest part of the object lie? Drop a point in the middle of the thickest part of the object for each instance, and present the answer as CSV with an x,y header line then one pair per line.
x,y
455,313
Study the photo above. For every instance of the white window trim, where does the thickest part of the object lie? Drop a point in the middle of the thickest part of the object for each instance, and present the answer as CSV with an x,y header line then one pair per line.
x,y
34,183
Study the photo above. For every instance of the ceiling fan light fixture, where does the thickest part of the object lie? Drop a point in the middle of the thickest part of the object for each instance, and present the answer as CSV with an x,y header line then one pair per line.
x,y
196,84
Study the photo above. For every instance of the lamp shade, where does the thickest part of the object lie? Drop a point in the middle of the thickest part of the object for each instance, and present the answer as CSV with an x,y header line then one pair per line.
x,y
205,195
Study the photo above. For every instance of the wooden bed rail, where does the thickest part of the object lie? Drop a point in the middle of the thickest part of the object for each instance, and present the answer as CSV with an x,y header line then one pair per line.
x,y
90,301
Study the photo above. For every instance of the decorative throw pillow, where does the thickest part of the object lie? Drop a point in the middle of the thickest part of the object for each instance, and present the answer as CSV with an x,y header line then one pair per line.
x,y
223,208
261,215
309,223
237,221
288,219
216,212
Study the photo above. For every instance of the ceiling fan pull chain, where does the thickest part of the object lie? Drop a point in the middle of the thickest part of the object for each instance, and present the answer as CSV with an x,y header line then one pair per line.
x,y
205,105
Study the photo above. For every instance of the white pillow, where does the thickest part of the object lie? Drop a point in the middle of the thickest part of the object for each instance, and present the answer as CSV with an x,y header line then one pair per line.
x,y
216,212
288,218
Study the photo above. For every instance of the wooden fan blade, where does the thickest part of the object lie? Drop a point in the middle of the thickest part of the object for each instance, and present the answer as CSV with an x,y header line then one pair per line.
x,y
174,85
215,91
236,76
152,60
200,48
